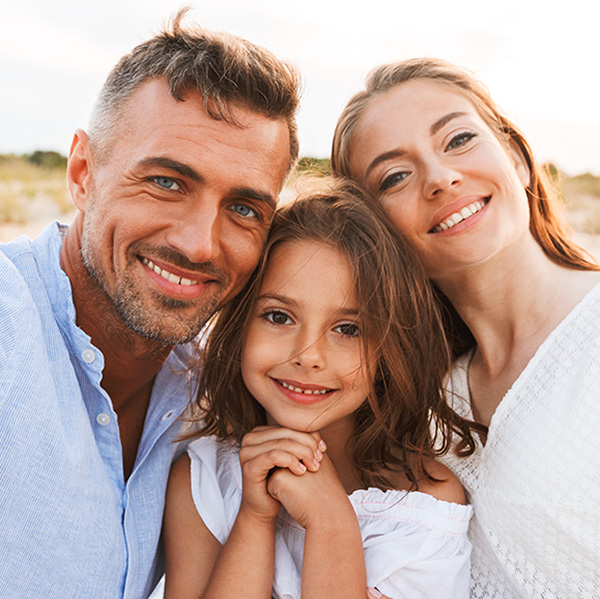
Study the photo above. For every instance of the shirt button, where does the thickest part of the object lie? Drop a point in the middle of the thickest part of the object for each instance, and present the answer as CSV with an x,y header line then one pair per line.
x,y
103,419
168,415
88,355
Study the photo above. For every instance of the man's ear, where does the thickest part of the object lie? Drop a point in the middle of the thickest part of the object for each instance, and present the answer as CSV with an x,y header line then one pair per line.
x,y
516,155
79,169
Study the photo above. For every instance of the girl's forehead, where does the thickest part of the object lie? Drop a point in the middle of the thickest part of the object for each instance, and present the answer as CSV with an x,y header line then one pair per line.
x,y
300,265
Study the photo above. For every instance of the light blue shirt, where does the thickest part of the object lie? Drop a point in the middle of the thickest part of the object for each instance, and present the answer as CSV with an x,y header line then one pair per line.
x,y
70,527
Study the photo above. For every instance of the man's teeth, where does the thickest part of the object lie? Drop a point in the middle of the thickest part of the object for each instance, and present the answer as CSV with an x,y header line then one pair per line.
x,y
458,217
305,391
169,276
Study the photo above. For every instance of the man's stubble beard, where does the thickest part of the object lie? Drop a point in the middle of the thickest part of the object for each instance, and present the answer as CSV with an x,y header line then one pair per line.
x,y
158,318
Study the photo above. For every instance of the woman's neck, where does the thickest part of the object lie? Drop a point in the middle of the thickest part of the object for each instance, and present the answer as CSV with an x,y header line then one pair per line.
x,y
509,301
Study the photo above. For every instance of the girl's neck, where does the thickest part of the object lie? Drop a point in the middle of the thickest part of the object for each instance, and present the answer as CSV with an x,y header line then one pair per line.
x,y
336,436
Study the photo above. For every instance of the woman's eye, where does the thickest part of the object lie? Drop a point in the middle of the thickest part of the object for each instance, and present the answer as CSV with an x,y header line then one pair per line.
x,y
348,329
277,317
167,183
392,180
460,140
244,210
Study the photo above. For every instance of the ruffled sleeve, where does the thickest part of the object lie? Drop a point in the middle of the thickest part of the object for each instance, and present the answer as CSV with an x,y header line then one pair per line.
x,y
416,547
216,481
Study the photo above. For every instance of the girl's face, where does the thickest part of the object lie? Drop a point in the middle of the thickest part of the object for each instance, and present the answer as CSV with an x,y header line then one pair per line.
x,y
445,179
302,357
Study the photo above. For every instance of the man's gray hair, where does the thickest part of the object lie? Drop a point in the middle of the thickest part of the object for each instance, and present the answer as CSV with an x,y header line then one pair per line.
x,y
226,71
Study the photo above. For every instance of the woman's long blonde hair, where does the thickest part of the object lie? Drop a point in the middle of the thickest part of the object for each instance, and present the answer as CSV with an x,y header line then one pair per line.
x,y
548,224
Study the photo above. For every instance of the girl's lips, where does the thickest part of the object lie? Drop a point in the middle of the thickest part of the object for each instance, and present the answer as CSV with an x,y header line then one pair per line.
x,y
301,392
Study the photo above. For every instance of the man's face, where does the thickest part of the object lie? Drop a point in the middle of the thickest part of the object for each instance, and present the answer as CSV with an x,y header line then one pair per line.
x,y
177,214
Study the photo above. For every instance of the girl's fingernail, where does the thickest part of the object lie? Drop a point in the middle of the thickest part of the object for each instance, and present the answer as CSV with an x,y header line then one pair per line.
x,y
302,467
316,463
322,445
373,593
319,454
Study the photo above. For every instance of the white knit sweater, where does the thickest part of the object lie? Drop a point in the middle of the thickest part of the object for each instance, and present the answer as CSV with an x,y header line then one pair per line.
x,y
535,486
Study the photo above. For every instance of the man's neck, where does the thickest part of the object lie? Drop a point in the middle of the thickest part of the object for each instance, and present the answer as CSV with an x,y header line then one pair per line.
x,y
131,362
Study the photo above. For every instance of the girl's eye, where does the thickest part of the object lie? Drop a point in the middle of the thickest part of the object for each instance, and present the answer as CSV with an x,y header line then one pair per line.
x,y
393,179
460,140
348,329
277,317
167,183
244,210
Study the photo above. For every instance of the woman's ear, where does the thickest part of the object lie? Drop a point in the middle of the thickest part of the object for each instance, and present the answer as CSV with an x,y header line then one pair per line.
x,y
516,155
79,169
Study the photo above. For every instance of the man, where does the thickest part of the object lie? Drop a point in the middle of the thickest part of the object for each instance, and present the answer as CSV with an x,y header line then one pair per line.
x,y
175,185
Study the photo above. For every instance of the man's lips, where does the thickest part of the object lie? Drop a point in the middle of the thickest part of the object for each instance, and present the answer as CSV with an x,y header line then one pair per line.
x,y
459,215
175,275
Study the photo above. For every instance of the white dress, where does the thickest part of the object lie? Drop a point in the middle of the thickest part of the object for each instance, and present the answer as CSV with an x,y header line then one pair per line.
x,y
416,546
535,486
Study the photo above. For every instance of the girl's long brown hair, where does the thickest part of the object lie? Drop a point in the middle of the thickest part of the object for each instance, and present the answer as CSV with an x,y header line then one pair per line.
x,y
405,418
547,220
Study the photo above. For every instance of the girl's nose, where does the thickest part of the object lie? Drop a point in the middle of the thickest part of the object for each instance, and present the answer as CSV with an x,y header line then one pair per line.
x,y
311,354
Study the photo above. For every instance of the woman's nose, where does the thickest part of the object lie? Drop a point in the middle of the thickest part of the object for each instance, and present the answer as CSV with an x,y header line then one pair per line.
x,y
439,177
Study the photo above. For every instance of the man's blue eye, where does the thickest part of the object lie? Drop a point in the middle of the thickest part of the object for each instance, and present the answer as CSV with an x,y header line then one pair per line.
x,y
244,210
166,183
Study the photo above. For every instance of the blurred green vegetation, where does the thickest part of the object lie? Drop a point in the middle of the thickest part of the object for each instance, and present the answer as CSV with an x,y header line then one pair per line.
x,y
28,180
313,166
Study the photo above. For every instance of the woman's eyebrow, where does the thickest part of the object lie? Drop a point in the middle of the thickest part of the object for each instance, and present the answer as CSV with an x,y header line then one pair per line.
x,y
445,119
382,158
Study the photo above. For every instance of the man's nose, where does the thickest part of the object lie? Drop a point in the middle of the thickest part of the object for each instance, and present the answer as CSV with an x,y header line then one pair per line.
x,y
197,234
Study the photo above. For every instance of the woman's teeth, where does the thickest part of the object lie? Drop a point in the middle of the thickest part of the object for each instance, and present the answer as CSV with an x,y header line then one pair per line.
x,y
458,217
305,391
169,276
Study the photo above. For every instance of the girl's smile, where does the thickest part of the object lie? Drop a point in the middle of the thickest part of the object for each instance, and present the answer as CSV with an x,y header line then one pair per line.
x,y
302,358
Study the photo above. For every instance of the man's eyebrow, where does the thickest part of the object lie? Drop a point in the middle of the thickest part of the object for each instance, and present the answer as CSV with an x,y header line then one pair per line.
x,y
254,194
185,170
445,119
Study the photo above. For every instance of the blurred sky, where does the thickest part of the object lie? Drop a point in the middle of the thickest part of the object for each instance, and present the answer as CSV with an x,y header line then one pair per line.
x,y
539,59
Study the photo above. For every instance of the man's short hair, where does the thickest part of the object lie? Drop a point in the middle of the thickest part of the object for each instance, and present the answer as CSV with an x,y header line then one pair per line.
x,y
226,71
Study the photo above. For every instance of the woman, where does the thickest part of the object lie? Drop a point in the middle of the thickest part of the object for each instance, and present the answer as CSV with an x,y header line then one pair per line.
x,y
460,181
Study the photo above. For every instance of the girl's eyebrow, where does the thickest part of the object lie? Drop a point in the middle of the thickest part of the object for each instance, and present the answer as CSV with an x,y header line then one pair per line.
x,y
273,296
290,302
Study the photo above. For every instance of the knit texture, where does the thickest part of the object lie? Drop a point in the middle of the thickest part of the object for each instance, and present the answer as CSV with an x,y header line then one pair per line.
x,y
535,486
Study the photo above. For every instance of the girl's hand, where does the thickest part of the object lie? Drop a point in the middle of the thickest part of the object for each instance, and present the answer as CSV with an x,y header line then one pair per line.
x,y
311,499
269,447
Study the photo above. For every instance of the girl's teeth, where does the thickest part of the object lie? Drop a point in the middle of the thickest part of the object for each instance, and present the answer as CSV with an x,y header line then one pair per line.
x,y
169,276
305,391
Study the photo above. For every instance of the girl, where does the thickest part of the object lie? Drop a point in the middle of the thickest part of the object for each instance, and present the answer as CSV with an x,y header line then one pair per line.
x,y
322,381
460,181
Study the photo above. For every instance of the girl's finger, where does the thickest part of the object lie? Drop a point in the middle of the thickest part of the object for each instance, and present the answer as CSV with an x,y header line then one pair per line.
x,y
258,466
300,450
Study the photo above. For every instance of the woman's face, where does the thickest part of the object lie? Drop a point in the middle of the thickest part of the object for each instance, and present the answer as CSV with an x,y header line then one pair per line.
x,y
444,178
